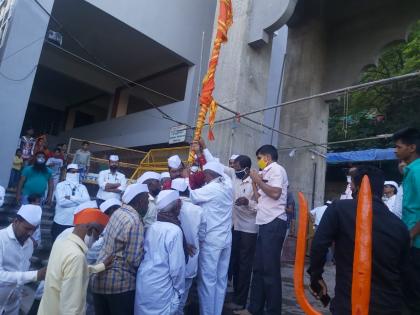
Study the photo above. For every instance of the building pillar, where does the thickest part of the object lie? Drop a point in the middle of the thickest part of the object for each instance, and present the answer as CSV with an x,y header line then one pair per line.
x,y
241,85
304,74
120,103
20,58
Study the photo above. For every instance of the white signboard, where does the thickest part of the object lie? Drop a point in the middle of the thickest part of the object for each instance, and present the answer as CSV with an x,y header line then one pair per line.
x,y
178,134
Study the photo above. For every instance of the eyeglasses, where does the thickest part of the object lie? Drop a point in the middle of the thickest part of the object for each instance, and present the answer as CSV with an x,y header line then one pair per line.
x,y
73,171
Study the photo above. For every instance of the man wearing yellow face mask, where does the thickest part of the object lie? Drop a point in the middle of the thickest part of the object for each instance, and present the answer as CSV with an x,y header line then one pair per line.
x,y
270,187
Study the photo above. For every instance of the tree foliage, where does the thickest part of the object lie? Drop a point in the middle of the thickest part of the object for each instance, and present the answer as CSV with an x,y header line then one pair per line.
x,y
381,109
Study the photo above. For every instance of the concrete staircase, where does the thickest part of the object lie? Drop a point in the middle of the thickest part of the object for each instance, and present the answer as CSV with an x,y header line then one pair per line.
x,y
7,214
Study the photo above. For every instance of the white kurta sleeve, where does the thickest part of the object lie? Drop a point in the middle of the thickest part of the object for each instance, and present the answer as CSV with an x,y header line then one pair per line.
x,y
176,263
203,194
83,197
202,228
207,154
14,277
123,183
60,197
101,180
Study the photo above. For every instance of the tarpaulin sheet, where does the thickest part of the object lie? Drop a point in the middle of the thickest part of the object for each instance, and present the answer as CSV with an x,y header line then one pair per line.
x,y
361,156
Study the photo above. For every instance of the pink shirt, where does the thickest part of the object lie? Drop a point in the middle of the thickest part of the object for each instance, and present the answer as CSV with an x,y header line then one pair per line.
x,y
268,208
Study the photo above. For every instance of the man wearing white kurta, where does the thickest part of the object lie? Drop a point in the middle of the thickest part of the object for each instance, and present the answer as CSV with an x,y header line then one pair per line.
x,y
194,226
69,194
152,180
216,199
111,182
16,249
161,275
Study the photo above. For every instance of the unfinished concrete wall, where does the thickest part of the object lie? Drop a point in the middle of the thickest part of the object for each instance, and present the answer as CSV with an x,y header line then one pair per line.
x,y
18,66
304,73
327,50
241,81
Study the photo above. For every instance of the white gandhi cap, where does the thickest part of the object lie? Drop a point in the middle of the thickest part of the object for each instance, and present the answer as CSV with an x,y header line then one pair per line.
x,y
165,175
148,175
165,197
73,166
114,158
86,205
174,161
179,184
31,214
215,167
391,183
109,203
233,157
133,190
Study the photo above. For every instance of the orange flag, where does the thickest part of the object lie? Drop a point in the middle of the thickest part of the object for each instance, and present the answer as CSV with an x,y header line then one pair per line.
x,y
207,103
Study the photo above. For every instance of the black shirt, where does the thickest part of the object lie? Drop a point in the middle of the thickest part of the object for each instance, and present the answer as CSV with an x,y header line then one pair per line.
x,y
390,247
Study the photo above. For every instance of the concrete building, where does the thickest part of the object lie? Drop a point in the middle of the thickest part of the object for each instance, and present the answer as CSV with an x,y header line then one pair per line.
x,y
164,46
73,83
328,45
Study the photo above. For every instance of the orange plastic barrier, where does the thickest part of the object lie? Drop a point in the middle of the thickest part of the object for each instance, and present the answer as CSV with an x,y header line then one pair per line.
x,y
362,262
300,258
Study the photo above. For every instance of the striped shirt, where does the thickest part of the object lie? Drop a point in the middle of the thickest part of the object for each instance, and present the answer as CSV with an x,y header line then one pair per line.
x,y
123,240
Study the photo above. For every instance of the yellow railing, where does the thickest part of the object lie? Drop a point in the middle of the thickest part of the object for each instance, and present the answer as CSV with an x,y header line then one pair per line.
x,y
157,160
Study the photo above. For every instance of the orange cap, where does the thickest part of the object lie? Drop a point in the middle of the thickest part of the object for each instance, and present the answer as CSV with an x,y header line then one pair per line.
x,y
91,215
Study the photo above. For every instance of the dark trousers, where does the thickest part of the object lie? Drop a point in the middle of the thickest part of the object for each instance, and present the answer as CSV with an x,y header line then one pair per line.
x,y
266,280
243,252
14,178
114,304
56,230
412,284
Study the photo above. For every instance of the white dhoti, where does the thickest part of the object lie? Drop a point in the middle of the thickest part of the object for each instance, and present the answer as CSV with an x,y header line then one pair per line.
x,y
213,265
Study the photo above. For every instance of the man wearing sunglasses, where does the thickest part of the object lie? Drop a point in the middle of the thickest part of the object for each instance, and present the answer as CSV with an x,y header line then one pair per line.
x,y
69,194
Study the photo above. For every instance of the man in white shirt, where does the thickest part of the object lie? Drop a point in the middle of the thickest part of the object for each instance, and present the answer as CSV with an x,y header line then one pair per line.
x,y
152,180
111,182
271,189
216,199
390,195
245,231
318,212
161,275
16,248
193,224
69,194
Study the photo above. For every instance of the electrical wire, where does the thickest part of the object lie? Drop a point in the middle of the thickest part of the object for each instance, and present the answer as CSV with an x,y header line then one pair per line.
x,y
356,87
20,79
378,137
22,48
125,80
237,115
122,79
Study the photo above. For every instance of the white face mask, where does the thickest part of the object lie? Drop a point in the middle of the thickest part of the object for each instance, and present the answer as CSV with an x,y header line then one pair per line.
x,y
89,240
73,178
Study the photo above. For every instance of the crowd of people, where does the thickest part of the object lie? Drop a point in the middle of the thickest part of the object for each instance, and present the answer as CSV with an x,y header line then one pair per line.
x,y
137,248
